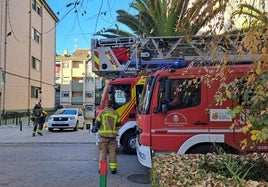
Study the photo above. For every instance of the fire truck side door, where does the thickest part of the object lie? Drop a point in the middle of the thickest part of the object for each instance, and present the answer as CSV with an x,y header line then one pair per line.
x,y
180,119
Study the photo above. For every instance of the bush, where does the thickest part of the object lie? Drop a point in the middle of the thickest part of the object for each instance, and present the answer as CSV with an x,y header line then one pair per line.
x,y
210,170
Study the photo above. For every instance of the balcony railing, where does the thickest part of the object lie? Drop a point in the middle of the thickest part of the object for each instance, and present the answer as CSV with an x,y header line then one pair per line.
x,y
76,86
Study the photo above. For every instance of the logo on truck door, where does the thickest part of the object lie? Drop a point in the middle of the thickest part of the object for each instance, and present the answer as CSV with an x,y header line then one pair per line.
x,y
176,119
219,115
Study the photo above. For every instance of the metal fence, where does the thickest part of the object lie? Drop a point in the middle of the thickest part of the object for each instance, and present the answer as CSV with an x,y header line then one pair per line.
x,y
16,118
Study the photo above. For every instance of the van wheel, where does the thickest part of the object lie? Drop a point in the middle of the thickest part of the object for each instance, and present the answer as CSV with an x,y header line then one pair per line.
x,y
129,143
76,126
50,129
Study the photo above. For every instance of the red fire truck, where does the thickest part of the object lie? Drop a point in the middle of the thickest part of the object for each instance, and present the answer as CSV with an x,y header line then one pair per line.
x,y
117,57
178,113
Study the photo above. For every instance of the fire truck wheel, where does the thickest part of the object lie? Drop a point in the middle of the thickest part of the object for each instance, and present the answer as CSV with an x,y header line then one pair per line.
x,y
203,149
129,143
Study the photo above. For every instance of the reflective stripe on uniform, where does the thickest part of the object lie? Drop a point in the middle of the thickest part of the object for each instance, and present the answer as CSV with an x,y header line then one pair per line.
x,y
103,117
107,131
113,166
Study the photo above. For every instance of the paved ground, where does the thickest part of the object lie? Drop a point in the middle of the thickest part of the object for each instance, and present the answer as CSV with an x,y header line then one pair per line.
x,y
16,134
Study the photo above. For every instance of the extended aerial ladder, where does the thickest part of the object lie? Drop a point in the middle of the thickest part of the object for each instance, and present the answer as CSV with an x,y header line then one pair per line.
x,y
128,55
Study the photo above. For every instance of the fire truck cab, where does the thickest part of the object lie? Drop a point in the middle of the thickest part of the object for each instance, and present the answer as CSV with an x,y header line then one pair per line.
x,y
178,113
125,93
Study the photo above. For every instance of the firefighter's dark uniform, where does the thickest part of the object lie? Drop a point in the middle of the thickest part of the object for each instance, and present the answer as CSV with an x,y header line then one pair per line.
x,y
107,122
38,120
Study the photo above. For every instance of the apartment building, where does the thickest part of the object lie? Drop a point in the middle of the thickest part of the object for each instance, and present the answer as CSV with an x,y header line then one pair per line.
x,y
27,55
77,84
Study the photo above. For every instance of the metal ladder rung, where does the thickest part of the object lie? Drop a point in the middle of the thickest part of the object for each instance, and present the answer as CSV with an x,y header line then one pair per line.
x,y
116,41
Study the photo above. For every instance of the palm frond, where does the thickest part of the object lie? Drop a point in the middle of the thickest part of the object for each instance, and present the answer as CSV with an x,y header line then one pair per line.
x,y
251,11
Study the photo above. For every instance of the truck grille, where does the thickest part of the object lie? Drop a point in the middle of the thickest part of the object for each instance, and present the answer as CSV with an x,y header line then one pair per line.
x,y
60,119
60,125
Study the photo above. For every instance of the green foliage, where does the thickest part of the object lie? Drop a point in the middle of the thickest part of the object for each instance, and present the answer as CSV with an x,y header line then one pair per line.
x,y
258,16
235,166
251,92
165,18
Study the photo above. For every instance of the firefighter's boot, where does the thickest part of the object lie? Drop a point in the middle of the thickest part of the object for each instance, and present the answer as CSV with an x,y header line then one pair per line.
x,y
40,132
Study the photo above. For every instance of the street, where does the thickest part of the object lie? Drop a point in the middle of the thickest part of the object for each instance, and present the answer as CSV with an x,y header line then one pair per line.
x,y
63,164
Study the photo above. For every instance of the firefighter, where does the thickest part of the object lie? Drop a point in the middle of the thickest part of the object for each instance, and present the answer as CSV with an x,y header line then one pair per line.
x,y
106,125
36,117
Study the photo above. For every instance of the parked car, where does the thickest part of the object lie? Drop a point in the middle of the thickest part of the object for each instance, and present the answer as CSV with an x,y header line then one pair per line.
x,y
66,118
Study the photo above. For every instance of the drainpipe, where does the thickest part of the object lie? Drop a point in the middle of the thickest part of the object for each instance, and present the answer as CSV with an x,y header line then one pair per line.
x,y
5,59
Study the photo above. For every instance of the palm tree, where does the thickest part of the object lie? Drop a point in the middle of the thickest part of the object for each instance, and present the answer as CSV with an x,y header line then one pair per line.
x,y
260,18
162,18
154,18
202,13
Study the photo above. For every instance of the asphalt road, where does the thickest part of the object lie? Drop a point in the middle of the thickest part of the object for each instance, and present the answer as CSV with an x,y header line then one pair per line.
x,y
60,159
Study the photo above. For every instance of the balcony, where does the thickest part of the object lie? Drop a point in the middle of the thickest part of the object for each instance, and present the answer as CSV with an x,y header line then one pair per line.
x,y
78,100
76,72
76,86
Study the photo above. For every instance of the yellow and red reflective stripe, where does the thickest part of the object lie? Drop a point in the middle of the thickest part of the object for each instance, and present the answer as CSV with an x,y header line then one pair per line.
x,y
125,110
96,60
110,59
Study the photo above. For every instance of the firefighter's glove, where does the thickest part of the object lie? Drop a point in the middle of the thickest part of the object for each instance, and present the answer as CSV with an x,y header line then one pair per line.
x,y
94,130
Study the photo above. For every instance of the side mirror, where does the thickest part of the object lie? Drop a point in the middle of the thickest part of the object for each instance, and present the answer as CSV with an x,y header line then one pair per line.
x,y
156,110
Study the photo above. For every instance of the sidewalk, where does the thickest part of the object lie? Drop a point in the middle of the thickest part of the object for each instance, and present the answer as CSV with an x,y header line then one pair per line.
x,y
15,134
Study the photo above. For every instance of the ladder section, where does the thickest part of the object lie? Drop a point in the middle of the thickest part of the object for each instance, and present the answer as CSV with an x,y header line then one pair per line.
x,y
110,56
188,48
130,55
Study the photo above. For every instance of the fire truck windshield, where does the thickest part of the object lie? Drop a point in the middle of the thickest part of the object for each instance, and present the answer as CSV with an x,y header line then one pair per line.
x,y
145,99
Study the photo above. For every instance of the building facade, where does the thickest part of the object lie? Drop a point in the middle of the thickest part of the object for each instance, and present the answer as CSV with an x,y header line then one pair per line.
x,y
77,85
27,55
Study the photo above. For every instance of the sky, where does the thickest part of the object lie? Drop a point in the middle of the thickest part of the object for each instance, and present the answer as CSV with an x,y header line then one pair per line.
x,y
76,29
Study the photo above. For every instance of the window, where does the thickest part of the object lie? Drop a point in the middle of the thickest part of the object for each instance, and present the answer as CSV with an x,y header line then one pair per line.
x,y
35,91
36,36
120,94
37,7
90,79
89,94
36,63
184,93
65,94
65,65
57,68
89,108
